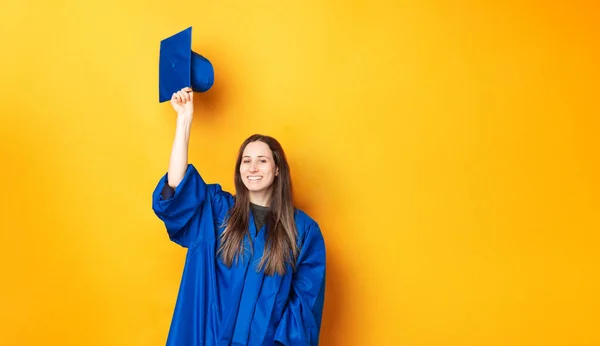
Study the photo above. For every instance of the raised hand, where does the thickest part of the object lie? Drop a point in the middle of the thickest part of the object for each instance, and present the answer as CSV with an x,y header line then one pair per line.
x,y
183,102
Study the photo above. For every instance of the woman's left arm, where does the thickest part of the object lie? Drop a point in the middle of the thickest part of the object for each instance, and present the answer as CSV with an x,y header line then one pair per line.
x,y
300,323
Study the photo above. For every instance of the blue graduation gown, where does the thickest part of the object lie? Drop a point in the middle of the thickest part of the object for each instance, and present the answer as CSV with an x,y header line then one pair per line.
x,y
217,305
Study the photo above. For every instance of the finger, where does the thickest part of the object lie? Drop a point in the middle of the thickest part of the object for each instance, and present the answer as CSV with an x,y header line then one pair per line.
x,y
186,94
181,95
187,91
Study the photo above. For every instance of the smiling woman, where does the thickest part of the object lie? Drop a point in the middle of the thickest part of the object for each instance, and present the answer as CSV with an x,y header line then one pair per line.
x,y
258,168
221,301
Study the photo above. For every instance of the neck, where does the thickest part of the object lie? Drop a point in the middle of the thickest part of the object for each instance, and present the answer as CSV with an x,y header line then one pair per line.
x,y
262,199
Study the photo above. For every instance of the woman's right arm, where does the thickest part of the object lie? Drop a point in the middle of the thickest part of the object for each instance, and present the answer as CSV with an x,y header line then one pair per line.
x,y
177,210
180,196
183,103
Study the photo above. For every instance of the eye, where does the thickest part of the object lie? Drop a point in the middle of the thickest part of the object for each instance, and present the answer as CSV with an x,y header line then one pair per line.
x,y
245,161
263,161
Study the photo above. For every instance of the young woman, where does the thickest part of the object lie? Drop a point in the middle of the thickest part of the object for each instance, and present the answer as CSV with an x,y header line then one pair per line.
x,y
255,267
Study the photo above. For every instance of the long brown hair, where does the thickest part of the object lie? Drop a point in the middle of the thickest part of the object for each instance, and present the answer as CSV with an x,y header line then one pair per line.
x,y
280,246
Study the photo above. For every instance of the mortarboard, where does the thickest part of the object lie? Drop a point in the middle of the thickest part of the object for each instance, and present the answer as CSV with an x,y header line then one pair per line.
x,y
180,67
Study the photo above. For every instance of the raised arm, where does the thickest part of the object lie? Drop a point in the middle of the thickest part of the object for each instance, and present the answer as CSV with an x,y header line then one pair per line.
x,y
183,103
178,199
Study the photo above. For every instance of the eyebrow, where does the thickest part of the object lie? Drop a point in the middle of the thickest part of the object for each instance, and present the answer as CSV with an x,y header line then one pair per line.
x,y
257,156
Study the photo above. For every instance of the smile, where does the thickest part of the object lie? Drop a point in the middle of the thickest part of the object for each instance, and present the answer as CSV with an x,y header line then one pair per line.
x,y
254,178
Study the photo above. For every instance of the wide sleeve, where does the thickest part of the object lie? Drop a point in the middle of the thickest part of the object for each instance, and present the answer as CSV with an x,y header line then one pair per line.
x,y
300,323
178,208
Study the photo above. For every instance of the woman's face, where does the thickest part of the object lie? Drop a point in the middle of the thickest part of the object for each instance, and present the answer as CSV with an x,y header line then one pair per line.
x,y
258,168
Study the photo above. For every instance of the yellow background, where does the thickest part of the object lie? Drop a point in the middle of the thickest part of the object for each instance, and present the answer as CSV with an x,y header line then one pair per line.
x,y
448,149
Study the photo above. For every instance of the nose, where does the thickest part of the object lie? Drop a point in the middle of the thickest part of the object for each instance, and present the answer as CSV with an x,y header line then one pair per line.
x,y
253,167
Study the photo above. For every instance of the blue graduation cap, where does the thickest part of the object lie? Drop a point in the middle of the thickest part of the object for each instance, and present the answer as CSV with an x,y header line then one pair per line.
x,y
180,67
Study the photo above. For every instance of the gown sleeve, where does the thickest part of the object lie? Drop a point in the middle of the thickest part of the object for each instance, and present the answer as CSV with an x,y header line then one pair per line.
x,y
177,208
300,323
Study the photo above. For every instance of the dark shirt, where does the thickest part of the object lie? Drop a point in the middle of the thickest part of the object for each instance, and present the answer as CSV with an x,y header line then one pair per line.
x,y
260,215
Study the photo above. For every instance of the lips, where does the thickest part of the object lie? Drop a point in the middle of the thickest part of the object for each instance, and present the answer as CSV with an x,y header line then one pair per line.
x,y
254,178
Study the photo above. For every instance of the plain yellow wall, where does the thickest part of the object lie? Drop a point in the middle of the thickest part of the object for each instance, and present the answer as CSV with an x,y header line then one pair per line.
x,y
449,150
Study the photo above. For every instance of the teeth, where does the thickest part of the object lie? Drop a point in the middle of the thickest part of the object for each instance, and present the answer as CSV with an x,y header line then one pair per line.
x,y
254,178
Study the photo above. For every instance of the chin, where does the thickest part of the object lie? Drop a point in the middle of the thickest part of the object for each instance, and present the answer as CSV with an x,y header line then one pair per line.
x,y
255,188
252,188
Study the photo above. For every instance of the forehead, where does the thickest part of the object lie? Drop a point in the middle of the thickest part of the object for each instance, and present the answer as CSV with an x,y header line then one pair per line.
x,y
257,148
